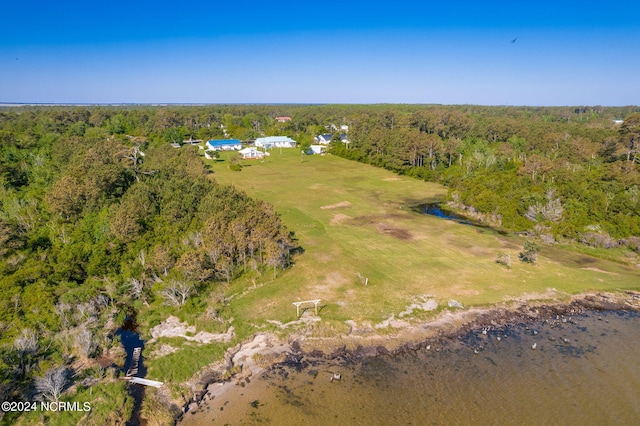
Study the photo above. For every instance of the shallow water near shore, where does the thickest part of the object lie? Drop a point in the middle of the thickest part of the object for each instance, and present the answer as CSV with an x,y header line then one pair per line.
x,y
581,369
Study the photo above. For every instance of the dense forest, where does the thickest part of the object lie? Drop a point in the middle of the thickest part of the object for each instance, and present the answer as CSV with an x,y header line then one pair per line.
x,y
94,223
555,173
99,214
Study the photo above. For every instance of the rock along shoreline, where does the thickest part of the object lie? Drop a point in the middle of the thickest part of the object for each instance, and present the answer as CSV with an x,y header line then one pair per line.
x,y
249,360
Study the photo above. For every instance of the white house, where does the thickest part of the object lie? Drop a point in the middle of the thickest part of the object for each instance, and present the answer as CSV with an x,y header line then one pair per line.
x,y
224,145
326,138
275,142
316,149
252,153
323,139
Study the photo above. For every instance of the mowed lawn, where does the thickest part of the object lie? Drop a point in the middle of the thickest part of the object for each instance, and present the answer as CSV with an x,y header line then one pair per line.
x,y
354,223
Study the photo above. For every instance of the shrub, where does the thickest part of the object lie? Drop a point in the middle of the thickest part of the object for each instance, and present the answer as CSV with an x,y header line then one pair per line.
x,y
529,253
633,243
598,239
504,259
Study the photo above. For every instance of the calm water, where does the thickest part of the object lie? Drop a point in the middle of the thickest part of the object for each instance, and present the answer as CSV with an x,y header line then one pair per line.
x,y
435,209
130,340
585,371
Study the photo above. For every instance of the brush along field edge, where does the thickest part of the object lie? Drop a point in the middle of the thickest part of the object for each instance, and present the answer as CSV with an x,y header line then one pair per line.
x,y
355,226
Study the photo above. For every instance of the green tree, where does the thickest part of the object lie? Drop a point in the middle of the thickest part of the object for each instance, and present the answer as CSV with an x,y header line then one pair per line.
x,y
529,253
630,135
174,135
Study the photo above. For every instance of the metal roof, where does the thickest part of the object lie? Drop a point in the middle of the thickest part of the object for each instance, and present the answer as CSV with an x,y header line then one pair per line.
x,y
221,142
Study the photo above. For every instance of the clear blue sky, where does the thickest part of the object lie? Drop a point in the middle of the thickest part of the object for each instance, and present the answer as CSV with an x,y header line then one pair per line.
x,y
457,52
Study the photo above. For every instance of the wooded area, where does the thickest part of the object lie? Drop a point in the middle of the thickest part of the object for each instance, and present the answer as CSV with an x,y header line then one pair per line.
x,y
555,173
99,214
94,223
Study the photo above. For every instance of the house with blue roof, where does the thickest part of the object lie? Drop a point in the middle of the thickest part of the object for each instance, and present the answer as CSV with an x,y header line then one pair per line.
x,y
224,145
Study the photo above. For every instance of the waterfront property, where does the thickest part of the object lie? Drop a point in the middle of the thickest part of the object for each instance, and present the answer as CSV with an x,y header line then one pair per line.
x,y
356,221
560,383
270,142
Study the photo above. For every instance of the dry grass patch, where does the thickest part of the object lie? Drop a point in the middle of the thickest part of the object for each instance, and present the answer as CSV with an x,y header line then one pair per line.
x,y
401,234
337,205
337,219
402,253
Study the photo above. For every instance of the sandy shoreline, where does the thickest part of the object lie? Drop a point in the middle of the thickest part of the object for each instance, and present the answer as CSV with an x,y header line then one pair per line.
x,y
251,359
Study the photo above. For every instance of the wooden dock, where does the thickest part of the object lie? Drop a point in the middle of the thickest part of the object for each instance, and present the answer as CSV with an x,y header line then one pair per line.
x,y
133,370
144,382
135,361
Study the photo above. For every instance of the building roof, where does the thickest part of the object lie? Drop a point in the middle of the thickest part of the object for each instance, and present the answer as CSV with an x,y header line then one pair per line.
x,y
252,151
274,139
222,142
329,136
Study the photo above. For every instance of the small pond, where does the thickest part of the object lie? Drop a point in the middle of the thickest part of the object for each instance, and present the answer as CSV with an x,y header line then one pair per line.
x,y
436,209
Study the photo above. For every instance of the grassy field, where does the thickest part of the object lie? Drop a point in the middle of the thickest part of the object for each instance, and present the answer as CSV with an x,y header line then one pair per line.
x,y
354,223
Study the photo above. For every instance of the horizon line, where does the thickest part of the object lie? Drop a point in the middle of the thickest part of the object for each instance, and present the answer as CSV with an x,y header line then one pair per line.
x,y
160,104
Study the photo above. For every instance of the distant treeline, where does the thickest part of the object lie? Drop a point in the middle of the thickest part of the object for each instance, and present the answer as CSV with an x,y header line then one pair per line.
x,y
558,173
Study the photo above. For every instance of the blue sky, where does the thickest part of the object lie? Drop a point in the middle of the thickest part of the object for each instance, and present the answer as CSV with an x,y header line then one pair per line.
x,y
566,53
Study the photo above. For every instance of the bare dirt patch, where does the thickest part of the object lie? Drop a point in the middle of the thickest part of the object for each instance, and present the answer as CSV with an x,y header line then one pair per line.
x,y
401,234
375,219
336,205
593,268
338,219
363,220
462,291
550,294
335,278
479,251
323,257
